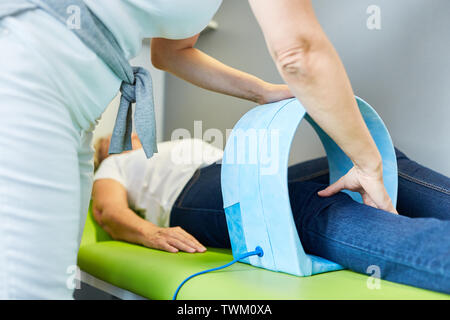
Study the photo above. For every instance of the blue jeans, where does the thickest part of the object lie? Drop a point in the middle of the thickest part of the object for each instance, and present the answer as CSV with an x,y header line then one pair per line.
x,y
411,248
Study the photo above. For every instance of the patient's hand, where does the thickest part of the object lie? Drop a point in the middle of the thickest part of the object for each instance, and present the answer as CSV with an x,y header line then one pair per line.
x,y
171,239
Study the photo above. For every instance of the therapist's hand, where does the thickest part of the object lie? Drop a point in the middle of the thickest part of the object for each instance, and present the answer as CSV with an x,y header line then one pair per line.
x,y
171,239
274,92
368,183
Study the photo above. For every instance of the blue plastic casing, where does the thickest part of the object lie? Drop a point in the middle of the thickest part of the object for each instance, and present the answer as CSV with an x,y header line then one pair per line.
x,y
255,189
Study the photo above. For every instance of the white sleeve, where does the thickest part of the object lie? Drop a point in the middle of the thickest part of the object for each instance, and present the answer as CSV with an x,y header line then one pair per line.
x,y
110,169
176,19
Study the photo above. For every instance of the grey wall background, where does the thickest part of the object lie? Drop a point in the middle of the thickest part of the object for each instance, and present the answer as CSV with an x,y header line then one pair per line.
x,y
402,70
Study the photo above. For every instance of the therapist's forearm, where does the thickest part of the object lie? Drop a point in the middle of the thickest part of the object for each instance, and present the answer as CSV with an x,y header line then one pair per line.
x,y
200,69
326,93
313,70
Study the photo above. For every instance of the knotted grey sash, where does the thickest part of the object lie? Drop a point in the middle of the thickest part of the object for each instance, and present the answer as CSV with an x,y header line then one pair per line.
x,y
137,83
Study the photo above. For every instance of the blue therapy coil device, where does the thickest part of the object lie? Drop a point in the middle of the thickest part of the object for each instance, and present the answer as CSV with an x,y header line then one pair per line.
x,y
255,188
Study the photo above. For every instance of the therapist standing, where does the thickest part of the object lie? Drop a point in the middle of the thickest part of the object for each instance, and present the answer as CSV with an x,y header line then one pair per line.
x,y
54,86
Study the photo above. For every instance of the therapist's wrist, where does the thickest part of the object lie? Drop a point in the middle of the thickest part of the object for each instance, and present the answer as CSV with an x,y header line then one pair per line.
x,y
269,92
369,163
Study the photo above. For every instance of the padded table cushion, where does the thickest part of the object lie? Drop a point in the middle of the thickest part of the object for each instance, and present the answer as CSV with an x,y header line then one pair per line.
x,y
155,274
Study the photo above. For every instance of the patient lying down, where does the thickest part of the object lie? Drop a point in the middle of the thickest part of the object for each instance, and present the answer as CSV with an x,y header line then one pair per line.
x,y
173,202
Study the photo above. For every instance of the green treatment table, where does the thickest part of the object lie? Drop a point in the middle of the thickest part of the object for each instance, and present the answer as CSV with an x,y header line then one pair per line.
x,y
153,274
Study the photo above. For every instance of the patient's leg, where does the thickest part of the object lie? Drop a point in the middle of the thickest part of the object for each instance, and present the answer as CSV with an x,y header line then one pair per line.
x,y
411,251
199,207
315,170
421,192
414,251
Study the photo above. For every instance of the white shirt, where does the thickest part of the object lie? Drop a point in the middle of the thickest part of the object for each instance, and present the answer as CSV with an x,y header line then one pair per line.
x,y
133,20
154,184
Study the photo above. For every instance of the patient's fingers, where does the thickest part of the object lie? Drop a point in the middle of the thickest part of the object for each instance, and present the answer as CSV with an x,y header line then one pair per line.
x,y
194,241
171,244
172,240
163,245
182,235
179,244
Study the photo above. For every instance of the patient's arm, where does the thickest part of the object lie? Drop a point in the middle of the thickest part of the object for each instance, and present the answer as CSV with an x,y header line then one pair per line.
x,y
111,211
180,58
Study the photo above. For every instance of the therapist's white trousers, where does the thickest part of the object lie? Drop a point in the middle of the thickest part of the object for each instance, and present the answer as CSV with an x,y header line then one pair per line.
x,y
52,90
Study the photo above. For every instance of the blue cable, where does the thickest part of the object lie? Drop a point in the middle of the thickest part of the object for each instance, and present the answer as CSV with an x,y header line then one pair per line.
x,y
258,252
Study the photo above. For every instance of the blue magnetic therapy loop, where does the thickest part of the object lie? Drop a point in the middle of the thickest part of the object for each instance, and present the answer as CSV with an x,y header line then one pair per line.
x,y
255,189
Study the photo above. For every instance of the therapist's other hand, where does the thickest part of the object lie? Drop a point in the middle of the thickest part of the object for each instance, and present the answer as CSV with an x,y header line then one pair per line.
x,y
171,239
274,92
368,183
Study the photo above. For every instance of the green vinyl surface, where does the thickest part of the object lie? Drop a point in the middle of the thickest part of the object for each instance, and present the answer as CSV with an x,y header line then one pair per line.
x,y
156,274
